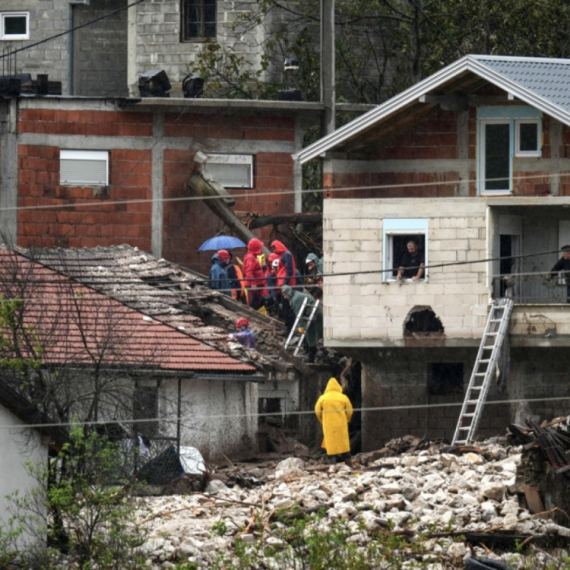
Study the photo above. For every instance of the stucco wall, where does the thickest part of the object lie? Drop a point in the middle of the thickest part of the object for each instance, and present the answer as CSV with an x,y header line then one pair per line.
x,y
218,417
361,310
17,447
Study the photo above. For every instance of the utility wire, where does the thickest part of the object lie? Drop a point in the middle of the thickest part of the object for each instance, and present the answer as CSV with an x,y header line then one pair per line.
x,y
252,193
70,30
194,417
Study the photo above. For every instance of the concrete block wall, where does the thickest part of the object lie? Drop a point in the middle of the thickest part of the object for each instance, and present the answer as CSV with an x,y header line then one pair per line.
x,y
100,49
534,385
361,310
47,18
158,44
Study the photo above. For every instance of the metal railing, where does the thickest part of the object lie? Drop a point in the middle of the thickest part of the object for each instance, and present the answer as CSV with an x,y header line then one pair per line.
x,y
530,289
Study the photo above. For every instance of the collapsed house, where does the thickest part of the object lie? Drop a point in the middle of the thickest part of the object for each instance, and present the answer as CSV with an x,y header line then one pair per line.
x,y
180,298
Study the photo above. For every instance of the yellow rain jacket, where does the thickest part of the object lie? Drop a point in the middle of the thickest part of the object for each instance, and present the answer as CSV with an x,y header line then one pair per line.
x,y
334,411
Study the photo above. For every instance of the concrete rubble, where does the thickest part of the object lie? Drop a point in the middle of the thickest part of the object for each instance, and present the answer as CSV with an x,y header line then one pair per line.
x,y
449,498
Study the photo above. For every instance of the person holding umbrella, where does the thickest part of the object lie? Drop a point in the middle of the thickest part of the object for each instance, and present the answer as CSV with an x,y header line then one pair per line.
x,y
218,278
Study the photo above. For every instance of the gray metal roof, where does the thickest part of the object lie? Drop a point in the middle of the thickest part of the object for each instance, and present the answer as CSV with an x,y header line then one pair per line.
x,y
543,83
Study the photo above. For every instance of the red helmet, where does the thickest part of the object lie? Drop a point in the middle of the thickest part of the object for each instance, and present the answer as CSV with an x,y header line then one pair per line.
x,y
243,322
223,255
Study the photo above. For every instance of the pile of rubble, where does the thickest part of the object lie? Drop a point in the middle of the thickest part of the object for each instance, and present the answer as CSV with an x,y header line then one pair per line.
x,y
454,508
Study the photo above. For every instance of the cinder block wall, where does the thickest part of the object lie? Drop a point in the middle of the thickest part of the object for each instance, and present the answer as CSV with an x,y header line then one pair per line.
x,y
361,310
535,385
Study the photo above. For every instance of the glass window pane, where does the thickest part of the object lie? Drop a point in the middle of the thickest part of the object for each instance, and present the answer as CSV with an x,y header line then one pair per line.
x,y
497,157
528,137
15,25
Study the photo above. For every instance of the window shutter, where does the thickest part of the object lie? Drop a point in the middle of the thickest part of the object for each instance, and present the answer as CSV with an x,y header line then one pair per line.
x,y
84,168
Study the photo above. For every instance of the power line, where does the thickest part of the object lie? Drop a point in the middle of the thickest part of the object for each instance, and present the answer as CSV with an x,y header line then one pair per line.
x,y
70,30
279,192
194,417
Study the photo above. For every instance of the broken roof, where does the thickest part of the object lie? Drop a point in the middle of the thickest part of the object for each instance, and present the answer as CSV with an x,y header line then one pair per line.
x,y
543,83
173,295
73,324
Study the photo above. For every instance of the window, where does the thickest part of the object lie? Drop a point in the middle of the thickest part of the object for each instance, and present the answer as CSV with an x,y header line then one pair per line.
x,y
84,168
526,138
505,133
445,378
397,234
198,20
14,25
231,170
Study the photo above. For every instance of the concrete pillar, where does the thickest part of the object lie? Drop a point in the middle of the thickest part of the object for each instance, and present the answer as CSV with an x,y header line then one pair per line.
x,y
157,184
9,172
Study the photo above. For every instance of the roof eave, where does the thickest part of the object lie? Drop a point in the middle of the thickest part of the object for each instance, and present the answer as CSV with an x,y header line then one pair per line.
x,y
467,63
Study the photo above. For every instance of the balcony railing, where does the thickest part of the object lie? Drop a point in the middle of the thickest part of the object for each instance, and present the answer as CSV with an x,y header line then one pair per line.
x,y
530,289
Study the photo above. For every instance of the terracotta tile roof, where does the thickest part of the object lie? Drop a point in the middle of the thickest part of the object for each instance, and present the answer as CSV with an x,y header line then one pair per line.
x,y
77,325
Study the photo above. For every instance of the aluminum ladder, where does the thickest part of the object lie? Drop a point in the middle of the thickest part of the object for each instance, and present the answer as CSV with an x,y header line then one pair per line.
x,y
494,335
306,314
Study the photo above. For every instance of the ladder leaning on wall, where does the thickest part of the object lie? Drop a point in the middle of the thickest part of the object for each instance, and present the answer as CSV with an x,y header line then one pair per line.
x,y
305,318
494,335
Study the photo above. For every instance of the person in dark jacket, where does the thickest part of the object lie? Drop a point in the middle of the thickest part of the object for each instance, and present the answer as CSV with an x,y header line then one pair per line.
x,y
218,278
562,265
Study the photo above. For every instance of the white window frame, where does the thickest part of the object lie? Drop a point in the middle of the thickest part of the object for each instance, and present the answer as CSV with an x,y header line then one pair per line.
x,y
518,151
71,173
4,35
514,117
239,160
402,227
482,163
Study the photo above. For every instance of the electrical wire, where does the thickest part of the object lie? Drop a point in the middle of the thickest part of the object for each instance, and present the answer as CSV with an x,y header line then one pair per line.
x,y
70,31
252,193
195,417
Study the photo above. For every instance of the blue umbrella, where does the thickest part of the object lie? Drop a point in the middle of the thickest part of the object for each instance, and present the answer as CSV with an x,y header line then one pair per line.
x,y
221,242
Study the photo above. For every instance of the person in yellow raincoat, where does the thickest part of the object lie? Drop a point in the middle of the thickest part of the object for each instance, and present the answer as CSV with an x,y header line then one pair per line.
x,y
334,411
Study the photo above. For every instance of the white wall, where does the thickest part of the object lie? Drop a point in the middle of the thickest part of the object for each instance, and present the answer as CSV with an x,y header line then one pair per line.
x,y
361,310
17,447
218,417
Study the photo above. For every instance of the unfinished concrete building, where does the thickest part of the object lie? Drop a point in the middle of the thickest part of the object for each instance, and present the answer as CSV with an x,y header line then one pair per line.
x,y
472,163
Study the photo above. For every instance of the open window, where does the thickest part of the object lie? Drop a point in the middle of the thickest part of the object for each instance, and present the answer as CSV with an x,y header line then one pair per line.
x,y
505,133
14,25
397,233
445,378
145,409
84,168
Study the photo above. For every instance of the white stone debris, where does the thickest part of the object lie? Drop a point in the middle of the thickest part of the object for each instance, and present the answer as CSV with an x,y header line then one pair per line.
x,y
419,492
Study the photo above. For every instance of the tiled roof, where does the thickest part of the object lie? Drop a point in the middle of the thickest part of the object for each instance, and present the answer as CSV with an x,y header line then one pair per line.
x,y
73,324
171,294
542,83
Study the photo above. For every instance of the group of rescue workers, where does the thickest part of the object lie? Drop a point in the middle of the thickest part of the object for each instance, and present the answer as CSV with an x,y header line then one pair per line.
x,y
274,286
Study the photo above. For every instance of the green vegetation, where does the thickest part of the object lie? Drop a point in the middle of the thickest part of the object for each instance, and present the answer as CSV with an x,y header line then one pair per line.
x,y
89,518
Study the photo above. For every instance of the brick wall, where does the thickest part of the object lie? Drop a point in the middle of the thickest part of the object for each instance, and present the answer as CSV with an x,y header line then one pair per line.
x,y
84,219
428,160
129,135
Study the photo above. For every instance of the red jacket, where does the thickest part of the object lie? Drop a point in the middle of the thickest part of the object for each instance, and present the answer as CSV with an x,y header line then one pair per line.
x,y
286,270
252,272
